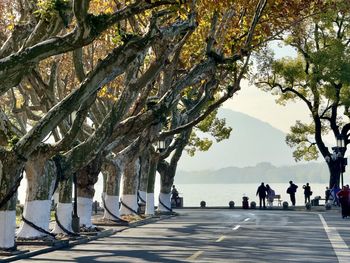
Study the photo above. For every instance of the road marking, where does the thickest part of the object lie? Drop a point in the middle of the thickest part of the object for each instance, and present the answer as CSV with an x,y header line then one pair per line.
x,y
194,256
340,248
236,227
247,219
220,239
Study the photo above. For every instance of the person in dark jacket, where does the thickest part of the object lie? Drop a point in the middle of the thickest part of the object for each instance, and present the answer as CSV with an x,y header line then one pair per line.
x,y
327,194
175,196
307,192
344,199
262,194
292,189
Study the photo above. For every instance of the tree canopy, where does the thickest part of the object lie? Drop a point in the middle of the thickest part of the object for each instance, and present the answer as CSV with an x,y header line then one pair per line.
x,y
317,76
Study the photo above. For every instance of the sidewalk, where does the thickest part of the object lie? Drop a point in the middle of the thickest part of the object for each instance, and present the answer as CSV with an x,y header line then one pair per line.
x,y
32,248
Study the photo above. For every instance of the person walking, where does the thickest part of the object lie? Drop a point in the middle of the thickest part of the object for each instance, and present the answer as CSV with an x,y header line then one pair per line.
x,y
270,195
335,189
262,194
344,200
307,192
292,189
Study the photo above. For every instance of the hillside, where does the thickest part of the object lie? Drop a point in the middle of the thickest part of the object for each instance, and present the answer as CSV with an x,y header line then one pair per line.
x,y
251,142
263,172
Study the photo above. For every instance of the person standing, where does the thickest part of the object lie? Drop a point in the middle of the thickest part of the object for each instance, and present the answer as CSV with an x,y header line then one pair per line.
x,y
270,195
307,192
334,192
327,194
344,195
262,194
292,189
175,196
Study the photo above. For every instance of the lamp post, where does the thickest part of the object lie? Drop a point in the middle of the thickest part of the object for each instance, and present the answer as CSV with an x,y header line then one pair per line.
x,y
340,156
75,217
161,145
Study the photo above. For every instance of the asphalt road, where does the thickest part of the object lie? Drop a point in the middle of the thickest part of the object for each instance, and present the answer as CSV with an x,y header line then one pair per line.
x,y
222,236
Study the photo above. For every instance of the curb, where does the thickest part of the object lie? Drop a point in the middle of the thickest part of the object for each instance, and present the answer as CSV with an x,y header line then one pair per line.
x,y
86,239
34,253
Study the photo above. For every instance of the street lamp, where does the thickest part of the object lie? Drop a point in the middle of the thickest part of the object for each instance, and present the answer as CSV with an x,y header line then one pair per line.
x,y
160,145
340,142
340,156
75,217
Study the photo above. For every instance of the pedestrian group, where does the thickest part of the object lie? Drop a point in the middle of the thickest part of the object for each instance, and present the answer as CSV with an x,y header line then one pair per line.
x,y
335,195
265,192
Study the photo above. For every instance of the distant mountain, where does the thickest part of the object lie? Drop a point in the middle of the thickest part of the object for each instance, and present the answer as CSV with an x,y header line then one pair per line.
x,y
262,172
251,142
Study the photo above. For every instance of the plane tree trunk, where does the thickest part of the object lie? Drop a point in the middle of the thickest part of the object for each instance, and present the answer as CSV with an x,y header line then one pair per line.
x,y
10,173
150,183
86,179
129,185
334,171
112,173
167,171
166,181
143,181
64,208
41,178
131,168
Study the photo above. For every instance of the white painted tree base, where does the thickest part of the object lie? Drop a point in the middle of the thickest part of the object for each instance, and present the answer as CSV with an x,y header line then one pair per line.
x,y
85,211
37,212
143,195
55,197
149,204
112,203
130,201
64,215
165,198
7,229
103,196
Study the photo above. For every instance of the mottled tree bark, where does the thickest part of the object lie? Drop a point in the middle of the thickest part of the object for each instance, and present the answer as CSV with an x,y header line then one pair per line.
x,y
10,171
64,208
14,66
41,178
150,184
334,171
129,186
167,171
167,174
86,178
143,180
112,172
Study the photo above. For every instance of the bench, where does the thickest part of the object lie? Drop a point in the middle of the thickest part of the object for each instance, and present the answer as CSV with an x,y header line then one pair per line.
x,y
179,204
278,198
316,201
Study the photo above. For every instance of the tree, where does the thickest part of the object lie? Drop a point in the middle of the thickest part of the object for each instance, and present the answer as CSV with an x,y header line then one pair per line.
x,y
318,77
15,154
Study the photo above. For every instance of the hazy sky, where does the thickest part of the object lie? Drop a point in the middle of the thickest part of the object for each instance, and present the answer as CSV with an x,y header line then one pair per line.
x,y
261,105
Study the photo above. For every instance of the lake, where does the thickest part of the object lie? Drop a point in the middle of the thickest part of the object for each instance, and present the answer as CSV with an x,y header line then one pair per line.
x,y
218,194
221,194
